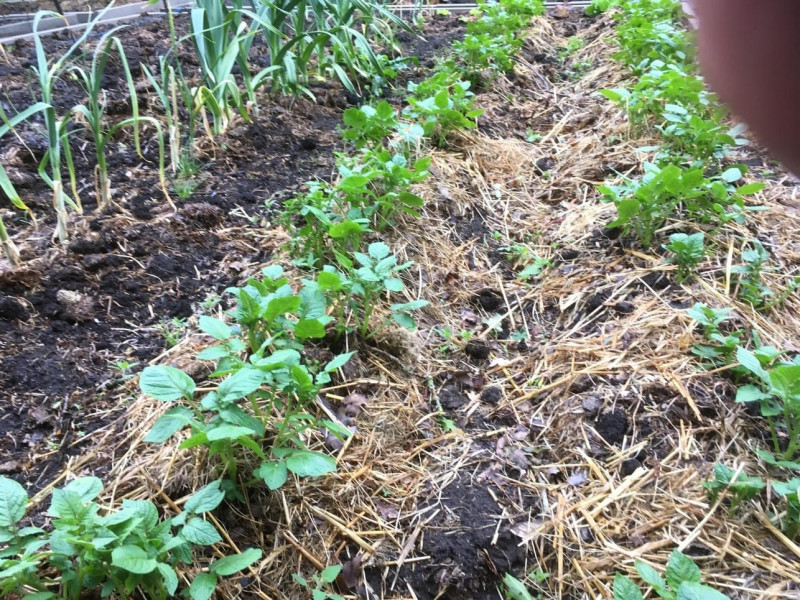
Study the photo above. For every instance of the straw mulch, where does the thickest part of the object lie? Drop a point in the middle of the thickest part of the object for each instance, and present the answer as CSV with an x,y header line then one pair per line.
x,y
569,432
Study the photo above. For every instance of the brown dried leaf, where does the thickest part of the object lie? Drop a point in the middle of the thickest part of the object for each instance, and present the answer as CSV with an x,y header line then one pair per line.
x,y
351,574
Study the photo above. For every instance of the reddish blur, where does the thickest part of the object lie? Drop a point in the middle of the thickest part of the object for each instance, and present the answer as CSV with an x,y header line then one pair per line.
x,y
749,53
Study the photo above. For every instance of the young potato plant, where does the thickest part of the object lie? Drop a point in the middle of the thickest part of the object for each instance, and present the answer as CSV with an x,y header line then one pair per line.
x,y
682,581
660,85
688,136
722,347
483,53
648,30
598,7
370,126
442,104
688,250
89,551
790,492
264,390
319,583
750,284
376,184
362,283
739,486
319,229
777,391
644,206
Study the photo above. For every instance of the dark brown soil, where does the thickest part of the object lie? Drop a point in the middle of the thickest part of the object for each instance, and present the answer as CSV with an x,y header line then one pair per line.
x,y
465,562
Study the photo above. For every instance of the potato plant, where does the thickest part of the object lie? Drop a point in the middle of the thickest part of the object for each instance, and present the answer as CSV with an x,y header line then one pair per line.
x,y
89,550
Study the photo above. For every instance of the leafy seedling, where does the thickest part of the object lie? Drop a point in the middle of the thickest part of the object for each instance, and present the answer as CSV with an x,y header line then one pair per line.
x,y
682,581
739,486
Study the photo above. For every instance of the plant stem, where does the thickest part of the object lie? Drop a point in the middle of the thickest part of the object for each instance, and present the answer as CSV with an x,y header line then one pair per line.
x,y
10,249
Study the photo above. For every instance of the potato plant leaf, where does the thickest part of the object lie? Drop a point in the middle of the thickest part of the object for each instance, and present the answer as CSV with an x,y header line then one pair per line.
x,y
236,562
166,383
203,586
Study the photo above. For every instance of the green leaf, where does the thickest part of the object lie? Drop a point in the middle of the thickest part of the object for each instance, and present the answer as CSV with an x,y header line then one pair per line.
x,y
13,502
345,229
87,488
133,559
309,328
330,574
338,361
166,383
749,189
413,305
273,272
215,328
242,383
236,562
305,463
67,505
651,577
378,250
169,576
691,590
752,364
405,320
394,284
205,499
770,459
681,568
625,589
213,353
281,306
515,589
168,424
203,586
732,175
785,380
787,488
228,432
329,281
274,474
200,532
750,393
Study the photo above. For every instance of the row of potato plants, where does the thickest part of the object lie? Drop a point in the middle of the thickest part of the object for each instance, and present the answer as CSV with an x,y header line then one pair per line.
x,y
306,40
689,181
258,420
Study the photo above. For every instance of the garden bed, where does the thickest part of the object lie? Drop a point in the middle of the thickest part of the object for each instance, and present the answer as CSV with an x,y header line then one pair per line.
x,y
555,425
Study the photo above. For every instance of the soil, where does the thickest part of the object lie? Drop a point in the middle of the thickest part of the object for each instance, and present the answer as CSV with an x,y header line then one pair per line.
x,y
467,560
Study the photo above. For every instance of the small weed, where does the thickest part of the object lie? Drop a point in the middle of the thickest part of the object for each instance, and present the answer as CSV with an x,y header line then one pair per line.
x,y
125,368
172,330
532,137
318,584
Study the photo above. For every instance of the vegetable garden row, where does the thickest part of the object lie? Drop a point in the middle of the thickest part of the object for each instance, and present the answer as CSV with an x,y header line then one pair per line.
x,y
475,361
